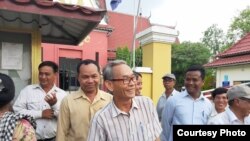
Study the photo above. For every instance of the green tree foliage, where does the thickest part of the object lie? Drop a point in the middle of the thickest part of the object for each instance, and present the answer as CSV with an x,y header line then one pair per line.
x,y
214,39
123,53
138,57
240,26
210,79
186,54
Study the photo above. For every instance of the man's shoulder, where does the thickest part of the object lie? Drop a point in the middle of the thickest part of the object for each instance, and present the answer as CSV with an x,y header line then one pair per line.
x,y
143,100
103,111
105,94
220,118
30,88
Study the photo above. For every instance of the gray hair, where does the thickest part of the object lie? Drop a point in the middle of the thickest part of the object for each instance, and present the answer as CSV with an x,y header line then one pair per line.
x,y
108,69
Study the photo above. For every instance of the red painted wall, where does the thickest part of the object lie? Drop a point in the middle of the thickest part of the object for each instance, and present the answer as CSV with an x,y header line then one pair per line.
x,y
95,42
123,25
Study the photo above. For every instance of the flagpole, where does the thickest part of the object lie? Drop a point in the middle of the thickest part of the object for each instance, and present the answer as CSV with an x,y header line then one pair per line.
x,y
134,33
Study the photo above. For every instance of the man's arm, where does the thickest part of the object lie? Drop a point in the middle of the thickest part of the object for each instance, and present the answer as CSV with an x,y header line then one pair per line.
x,y
167,118
63,123
96,132
56,96
158,139
21,105
156,124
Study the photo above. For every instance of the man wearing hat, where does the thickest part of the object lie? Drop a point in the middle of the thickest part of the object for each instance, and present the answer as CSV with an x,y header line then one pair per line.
x,y
168,83
239,107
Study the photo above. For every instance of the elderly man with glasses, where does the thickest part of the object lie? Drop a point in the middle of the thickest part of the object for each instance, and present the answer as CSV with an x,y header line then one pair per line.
x,y
168,83
127,117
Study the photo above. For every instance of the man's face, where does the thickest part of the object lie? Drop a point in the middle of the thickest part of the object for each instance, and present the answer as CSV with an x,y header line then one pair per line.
x,y
244,106
123,90
220,102
193,82
138,85
168,83
46,76
89,78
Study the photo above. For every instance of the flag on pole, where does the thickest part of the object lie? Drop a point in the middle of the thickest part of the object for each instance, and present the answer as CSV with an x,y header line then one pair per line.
x,y
114,3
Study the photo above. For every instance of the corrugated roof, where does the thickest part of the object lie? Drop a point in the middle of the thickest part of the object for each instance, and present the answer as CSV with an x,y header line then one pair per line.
x,y
58,23
242,59
241,47
239,53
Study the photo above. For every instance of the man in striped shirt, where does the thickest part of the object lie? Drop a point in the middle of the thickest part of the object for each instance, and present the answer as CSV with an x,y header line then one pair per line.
x,y
126,118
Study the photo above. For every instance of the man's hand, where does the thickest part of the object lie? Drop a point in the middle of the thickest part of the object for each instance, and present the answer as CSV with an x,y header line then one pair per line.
x,y
48,114
51,99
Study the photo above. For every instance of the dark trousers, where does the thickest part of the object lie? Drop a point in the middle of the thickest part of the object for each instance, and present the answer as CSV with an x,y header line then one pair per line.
x,y
50,139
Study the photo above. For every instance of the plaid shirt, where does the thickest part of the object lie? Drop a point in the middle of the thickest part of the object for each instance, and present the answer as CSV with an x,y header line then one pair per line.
x,y
8,123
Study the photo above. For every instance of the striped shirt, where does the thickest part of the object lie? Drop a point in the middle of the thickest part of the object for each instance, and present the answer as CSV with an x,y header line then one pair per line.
x,y
140,124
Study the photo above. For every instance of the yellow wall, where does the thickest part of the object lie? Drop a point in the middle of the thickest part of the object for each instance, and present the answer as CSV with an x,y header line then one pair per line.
x,y
35,49
146,84
158,57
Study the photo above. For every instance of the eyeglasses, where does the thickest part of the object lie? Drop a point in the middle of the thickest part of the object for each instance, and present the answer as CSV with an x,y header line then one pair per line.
x,y
168,80
245,99
126,79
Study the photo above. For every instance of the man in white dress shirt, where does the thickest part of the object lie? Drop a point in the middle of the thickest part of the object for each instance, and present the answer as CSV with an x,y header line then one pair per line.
x,y
169,81
42,101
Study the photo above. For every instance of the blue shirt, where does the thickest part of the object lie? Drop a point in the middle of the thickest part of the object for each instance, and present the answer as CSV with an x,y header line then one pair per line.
x,y
182,109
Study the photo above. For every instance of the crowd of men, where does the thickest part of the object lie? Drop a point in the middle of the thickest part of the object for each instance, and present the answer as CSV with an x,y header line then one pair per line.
x,y
123,113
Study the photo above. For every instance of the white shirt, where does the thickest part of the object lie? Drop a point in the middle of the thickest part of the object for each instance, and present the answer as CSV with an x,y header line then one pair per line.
x,y
31,102
227,117
162,101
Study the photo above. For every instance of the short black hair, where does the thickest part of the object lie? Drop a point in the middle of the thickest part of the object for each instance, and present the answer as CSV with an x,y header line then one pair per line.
x,y
51,64
199,68
219,91
7,92
87,62
137,74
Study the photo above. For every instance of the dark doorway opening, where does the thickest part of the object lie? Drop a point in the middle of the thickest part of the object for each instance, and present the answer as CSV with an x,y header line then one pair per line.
x,y
68,73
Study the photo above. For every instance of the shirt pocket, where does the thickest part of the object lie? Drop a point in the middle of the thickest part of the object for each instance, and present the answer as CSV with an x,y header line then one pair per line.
x,y
34,105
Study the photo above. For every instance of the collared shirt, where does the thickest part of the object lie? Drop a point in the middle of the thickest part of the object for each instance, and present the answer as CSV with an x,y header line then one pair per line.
x,y
227,117
214,112
31,102
76,112
140,124
183,109
162,101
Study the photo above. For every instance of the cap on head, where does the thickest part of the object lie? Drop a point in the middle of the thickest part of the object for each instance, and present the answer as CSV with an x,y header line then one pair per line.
x,y
7,89
238,92
169,75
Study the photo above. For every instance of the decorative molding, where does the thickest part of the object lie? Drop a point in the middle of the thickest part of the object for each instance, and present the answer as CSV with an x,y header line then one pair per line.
x,y
143,69
157,33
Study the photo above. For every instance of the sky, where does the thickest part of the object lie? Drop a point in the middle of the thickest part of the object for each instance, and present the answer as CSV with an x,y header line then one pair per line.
x,y
190,17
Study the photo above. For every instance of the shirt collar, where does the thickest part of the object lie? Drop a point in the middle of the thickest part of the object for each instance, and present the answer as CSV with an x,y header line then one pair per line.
x,y
116,111
38,86
173,92
80,94
186,94
232,117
